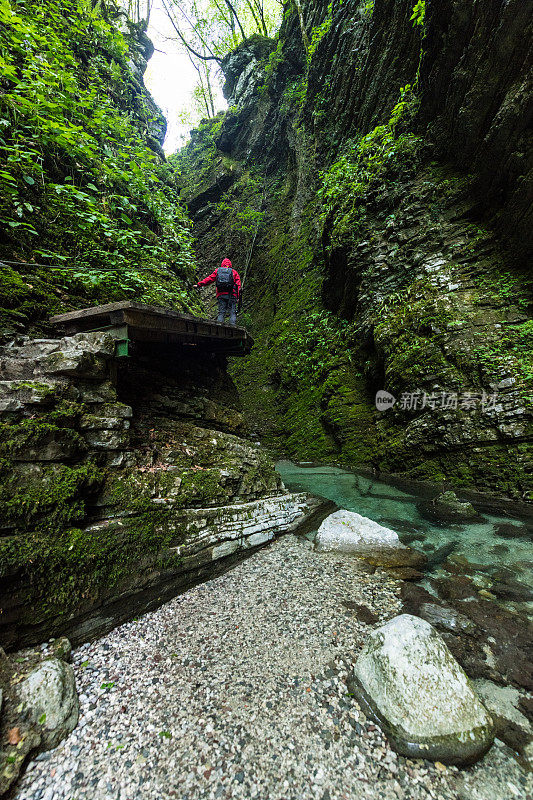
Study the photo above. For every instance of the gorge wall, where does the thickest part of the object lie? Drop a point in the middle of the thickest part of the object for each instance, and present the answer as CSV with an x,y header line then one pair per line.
x,y
377,159
121,483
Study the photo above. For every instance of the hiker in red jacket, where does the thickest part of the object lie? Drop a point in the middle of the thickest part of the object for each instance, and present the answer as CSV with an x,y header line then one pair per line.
x,y
228,284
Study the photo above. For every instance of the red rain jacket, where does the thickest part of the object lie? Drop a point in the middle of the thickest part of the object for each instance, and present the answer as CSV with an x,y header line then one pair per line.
x,y
236,280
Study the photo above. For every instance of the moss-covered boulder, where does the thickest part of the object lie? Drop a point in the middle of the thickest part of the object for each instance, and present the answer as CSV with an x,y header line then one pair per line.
x,y
448,508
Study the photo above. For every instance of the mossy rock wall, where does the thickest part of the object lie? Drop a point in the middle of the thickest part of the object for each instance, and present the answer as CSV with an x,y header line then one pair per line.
x,y
121,484
382,258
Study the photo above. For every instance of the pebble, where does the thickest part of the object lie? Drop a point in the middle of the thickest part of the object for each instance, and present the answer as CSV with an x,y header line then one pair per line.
x,y
237,689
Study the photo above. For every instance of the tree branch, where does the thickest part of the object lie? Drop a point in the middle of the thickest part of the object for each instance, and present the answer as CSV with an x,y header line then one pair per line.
x,y
232,9
186,43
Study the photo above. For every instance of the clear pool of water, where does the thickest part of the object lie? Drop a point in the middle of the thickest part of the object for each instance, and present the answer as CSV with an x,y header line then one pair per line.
x,y
492,558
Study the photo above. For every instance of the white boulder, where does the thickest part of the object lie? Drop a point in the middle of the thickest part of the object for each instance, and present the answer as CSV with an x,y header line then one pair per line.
x,y
349,532
409,681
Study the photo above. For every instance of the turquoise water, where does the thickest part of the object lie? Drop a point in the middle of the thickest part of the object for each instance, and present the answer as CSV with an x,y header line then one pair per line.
x,y
494,560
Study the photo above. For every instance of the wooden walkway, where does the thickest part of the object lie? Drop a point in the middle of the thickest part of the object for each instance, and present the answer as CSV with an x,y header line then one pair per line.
x,y
137,322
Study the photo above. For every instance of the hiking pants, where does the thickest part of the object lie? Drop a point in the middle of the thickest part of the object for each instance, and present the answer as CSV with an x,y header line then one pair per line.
x,y
225,304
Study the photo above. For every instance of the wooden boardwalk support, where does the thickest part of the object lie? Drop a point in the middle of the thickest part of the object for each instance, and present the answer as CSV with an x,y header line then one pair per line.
x,y
131,322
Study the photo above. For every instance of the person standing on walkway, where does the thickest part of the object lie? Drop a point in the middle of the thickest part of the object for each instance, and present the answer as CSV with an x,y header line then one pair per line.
x,y
228,286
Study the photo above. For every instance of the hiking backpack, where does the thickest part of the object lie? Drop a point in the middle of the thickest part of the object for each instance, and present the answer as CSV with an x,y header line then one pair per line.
x,y
225,280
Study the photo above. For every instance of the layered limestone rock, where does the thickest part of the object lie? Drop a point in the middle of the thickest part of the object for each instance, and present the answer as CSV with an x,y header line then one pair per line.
x,y
407,678
122,482
385,163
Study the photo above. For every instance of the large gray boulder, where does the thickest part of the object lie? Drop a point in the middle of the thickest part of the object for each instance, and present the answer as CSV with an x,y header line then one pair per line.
x,y
51,700
409,681
349,532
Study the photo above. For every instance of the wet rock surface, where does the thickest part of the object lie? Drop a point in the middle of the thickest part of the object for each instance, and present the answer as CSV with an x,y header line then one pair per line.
x,y
503,639
492,644
503,703
514,531
439,300
238,689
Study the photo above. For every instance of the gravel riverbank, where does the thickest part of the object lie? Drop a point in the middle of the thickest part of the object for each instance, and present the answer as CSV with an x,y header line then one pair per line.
x,y
236,689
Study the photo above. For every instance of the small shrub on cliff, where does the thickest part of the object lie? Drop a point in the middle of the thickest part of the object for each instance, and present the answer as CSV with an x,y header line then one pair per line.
x,y
319,32
418,16
365,162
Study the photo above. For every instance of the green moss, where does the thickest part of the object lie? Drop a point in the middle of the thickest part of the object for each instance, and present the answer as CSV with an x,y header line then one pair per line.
x,y
201,487
298,385
56,425
365,162
45,390
63,567
495,468
47,498
195,165
65,571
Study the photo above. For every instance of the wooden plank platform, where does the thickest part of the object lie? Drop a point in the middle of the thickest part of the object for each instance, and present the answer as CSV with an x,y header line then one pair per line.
x,y
130,322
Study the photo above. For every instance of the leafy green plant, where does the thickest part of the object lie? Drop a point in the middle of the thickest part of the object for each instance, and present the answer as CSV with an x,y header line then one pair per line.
x,y
312,347
366,161
419,13
82,182
294,94
318,33
270,68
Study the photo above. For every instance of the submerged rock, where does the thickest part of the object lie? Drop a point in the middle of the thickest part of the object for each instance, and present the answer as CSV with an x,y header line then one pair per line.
x,y
510,589
406,573
448,508
488,640
412,529
459,564
349,532
441,553
407,538
408,679
421,603
508,530
51,701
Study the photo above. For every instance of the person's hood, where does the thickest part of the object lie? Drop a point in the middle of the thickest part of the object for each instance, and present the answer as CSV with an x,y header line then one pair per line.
x,y
226,263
